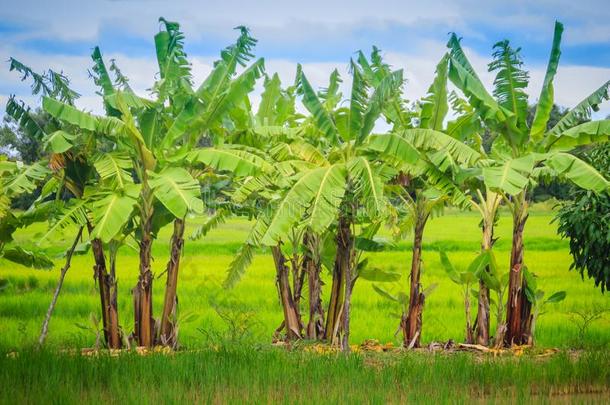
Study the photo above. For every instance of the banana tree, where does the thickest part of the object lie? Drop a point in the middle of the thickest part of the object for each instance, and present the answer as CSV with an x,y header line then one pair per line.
x,y
466,278
427,185
153,161
72,168
277,132
526,152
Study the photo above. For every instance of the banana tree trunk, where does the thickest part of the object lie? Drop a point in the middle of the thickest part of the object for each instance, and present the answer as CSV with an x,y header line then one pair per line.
x,y
335,304
469,329
518,308
292,322
315,326
108,297
411,322
483,312
169,333
345,251
298,279
143,319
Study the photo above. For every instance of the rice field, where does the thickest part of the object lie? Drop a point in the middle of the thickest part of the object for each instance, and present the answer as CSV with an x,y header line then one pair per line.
x,y
226,334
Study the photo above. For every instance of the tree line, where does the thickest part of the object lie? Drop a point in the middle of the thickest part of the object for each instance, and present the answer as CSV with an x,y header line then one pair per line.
x,y
317,184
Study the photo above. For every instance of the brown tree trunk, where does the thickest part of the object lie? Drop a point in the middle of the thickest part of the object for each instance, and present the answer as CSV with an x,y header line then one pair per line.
x,y
108,297
345,250
483,313
315,326
469,329
411,322
143,319
335,305
291,317
169,334
518,308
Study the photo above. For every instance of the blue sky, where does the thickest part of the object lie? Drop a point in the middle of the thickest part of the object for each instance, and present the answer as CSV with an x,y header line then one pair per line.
x,y
319,34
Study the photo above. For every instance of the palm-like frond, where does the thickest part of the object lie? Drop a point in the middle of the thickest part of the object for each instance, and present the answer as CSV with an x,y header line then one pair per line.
x,y
368,185
20,113
272,93
65,214
224,69
582,112
114,167
325,205
510,80
59,141
238,162
211,223
583,134
511,177
293,206
358,101
387,88
25,180
313,104
394,146
331,95
428,139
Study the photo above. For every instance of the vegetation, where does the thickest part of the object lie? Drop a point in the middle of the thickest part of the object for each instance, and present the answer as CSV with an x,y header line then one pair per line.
x,y
319,189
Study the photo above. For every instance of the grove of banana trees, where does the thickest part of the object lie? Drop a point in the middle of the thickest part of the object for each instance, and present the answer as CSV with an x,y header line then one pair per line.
x,y
311,168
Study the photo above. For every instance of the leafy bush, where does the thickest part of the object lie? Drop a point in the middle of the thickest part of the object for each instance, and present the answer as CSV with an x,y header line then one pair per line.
x,y
586,222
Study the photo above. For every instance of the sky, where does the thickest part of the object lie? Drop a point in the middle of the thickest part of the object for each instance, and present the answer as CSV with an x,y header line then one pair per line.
x,y
321,35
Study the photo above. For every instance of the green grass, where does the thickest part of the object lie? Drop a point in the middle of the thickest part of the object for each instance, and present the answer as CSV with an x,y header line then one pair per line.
x,y
264,375
274,376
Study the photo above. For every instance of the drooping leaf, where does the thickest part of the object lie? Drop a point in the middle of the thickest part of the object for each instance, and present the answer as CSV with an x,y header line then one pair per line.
x,y
368,185
580,173
293,206
325,204
395,146
582,112
111,211
583,134
556,297
238,162
211,223
177,190
59,141
114,166
34,259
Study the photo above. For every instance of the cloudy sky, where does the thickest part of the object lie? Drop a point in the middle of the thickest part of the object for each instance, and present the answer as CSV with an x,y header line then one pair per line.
x,y
321,35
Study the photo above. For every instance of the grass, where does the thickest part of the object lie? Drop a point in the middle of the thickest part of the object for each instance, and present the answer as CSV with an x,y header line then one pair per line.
x,y
263,375
274,376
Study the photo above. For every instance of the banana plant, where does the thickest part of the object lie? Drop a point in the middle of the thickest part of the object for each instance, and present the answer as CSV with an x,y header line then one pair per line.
x,y
539,303
150,174
466,278
16,179
427,185
276,131
71,168
523,152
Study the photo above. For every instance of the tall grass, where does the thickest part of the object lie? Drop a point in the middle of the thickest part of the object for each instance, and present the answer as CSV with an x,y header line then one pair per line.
x,y
244,375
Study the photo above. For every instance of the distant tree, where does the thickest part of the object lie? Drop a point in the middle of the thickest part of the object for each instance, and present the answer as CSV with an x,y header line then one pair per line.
x,y
15,142
586,222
